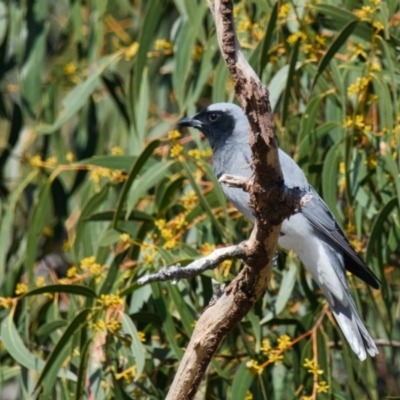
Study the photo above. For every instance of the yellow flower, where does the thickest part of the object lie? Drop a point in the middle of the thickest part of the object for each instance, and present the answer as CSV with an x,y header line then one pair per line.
x,y
117,151
86,262
197,53
69,68
321,40
176,150
166,233
124,237
365,13
322,387
284,342
253,366
99,172
51,162
189,199
378,25
170,244
36,161
40,281
312,367
21,288
104,384
6,302
100,325
266,346
359,121
292,39
70,156
149,257
249,395
72,271
162,44
160,224
375,67
357,245
111,301
118,175
180,222
66,245
114,326
358,85
142,337
207,248
284,11
243,25
131,51
95,269
372,98
129,374
48,231
175,134
275,357
195,153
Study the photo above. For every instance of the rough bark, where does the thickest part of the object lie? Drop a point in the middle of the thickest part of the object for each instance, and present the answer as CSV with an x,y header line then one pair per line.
x,y
271,201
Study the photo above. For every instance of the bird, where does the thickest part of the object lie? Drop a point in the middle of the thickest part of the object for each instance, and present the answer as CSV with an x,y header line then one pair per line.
x,y
312,233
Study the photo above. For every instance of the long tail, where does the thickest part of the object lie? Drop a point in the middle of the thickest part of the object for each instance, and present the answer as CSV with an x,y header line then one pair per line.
x,y
352,326
335,288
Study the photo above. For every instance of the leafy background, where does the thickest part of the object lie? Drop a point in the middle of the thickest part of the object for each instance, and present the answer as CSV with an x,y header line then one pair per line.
x,y
97,189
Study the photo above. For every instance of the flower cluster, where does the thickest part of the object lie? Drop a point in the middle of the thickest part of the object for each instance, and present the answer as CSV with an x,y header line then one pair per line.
x,y
38,162
314,369
110,301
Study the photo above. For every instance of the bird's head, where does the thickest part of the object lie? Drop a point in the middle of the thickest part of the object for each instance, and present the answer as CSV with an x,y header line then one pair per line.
x,y
220,123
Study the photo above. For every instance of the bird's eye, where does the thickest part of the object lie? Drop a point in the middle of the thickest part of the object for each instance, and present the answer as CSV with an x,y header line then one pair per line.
x,y
213,116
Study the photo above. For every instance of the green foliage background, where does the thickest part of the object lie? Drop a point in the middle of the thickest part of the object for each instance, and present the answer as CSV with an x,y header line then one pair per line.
x,y
95,193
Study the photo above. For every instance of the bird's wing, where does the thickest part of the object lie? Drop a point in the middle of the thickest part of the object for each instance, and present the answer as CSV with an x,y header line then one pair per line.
x,y
320,217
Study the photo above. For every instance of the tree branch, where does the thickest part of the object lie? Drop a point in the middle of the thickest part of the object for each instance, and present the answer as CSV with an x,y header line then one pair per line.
x,y
176,272
270,201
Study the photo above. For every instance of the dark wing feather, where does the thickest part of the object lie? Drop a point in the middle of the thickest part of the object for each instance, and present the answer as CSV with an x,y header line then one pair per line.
x,y
317,212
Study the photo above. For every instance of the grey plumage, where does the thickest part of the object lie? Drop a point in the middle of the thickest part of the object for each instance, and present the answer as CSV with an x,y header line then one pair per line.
x,y
312,234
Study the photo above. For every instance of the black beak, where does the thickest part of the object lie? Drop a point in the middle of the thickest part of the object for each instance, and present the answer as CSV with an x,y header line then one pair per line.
x,y
191,122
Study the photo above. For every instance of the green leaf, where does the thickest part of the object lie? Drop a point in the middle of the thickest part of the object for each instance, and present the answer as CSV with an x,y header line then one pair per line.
x,y
113,162
378,225
168,324
7,220
150,21
333,48
72,289
83,366
183,61
79,96
134,171
135,215
241,382
81,246
38,221
330,174
137,347
145,182
185,313
266,42
51,326
289,82
17,349
59,352
202,199
7,373
286,288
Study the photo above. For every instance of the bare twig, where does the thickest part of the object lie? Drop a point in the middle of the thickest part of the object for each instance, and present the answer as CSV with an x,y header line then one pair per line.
x,y
176,272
